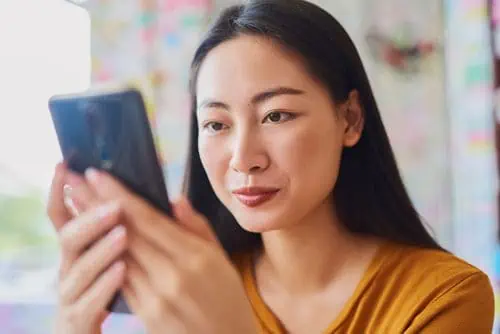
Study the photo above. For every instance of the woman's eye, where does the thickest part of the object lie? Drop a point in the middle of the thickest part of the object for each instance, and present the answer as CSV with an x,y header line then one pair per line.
x,y
214,127
278,117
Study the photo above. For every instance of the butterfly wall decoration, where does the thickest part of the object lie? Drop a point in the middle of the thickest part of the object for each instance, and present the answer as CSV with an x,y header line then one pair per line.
x,y
402,55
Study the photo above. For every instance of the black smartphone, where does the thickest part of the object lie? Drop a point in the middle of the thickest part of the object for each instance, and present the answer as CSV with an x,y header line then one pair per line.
x,y
108,129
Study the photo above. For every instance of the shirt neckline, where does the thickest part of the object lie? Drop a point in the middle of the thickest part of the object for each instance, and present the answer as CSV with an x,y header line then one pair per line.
x,y
274,325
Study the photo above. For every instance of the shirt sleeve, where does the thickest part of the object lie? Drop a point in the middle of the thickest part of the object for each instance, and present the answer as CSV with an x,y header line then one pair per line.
x,y
466,307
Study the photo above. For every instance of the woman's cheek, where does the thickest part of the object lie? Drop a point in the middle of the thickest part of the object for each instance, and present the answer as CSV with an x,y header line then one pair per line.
x,y
214,161
307,154
295,149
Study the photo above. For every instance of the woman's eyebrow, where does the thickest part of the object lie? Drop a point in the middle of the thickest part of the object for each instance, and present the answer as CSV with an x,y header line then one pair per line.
x,y
274,92
256,99
209,103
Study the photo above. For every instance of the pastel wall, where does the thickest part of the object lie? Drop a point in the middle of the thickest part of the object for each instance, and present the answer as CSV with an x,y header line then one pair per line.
x,y
149,43
411,99
471,121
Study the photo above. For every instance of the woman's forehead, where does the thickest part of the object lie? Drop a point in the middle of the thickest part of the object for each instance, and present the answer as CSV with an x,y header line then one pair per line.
x,y
250,64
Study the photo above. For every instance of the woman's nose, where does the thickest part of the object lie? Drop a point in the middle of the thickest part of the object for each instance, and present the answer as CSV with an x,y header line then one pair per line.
x,y
248,155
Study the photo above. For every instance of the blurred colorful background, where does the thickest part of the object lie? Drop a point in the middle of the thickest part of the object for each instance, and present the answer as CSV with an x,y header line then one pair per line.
x,y
433,66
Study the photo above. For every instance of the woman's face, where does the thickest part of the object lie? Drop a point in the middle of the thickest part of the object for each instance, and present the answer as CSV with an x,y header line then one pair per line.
x,y
270,138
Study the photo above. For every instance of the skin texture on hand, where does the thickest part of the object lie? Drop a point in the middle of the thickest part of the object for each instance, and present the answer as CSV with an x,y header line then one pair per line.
x,y
90,272
174,274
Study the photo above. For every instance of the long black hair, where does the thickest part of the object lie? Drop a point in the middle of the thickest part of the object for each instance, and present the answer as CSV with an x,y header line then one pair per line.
x,y
369,196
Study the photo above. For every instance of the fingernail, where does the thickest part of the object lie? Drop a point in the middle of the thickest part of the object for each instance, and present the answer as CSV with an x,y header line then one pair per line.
x,y
67,190
106,210
180,207
183,203
117,232
73,180
91,174
118,266
70,203
59,165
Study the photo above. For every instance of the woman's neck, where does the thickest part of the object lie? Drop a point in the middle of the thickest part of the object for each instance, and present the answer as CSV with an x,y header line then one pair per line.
x,y
309,256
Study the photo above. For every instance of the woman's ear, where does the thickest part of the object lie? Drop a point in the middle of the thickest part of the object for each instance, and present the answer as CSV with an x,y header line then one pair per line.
x,y
354,119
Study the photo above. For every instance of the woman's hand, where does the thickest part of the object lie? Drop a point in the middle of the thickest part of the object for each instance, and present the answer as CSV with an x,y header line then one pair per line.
x,y
90,273
178,278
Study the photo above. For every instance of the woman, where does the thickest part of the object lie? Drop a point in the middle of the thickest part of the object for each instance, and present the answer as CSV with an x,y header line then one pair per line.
x,y
290,165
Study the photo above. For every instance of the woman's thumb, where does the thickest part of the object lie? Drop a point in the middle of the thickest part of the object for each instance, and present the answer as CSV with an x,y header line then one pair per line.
x,y
192,220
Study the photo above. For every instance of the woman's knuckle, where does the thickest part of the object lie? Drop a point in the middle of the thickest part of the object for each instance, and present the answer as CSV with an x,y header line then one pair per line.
x,y
155,310
50,212
73,315
178,284
64,291
68,235
196,263
200,263
65,240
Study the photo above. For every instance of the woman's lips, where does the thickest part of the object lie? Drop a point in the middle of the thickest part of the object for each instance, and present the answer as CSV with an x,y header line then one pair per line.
x,y
255,196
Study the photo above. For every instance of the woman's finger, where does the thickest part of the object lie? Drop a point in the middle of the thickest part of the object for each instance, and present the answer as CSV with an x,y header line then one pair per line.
x,y
108,188
170,279
146,302
99,295
92,263
82,196
137,281
156,265
68,202
81,232
192,220
130,297
56,209
160,235
147,221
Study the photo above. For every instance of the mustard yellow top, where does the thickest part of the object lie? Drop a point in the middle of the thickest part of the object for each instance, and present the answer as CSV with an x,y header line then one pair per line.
x,y
404,290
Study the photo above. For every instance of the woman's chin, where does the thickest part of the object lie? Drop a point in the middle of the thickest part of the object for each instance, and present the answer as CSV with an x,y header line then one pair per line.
x,y
256,225
263,219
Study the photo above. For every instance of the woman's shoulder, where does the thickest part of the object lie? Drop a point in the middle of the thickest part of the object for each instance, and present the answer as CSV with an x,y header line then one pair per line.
x,y
426,264
422,276
424,283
